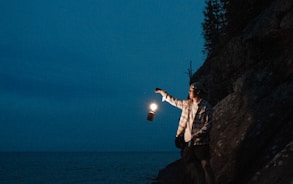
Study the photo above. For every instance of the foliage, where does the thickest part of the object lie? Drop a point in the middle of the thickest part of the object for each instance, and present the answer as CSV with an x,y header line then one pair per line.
x,y
213,25
224,19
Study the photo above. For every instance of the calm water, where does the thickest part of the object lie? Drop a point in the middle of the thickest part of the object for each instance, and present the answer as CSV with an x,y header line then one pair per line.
x,y
83,167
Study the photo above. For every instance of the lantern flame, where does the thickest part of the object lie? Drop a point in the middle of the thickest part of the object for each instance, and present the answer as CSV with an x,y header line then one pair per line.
x,y
153,107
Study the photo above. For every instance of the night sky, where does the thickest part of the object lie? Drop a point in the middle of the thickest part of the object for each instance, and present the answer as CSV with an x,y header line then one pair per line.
x,y
79,75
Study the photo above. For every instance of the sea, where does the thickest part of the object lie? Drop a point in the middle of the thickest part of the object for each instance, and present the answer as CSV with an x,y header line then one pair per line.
x,y
83,167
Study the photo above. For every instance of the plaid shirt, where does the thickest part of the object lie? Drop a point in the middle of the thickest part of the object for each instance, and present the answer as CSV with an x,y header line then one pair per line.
x,y
198,116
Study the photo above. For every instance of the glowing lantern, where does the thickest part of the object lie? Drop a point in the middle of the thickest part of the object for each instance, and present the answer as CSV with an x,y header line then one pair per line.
x,y
152,111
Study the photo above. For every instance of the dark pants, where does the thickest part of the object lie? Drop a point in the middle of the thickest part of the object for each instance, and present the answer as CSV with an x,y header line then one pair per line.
x,y
193,157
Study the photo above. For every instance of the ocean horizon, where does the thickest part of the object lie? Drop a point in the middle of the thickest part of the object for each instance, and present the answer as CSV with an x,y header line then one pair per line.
x,y
83,167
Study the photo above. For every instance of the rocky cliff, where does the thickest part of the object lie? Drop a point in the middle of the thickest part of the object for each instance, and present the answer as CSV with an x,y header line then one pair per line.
x,y
250,86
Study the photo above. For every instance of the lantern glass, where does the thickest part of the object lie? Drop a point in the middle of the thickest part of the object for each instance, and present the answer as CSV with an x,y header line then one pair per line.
x,y
153,107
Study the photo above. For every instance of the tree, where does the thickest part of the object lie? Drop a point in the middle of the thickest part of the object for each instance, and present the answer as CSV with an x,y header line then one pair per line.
x,y
214,25
224,19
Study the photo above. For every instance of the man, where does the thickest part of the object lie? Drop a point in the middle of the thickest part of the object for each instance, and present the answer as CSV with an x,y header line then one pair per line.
x,y
196,122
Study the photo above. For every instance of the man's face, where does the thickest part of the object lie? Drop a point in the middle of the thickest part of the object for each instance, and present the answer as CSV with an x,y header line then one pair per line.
x,y
193,92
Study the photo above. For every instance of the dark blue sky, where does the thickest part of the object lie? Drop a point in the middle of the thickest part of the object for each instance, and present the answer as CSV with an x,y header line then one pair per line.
x,y
79,75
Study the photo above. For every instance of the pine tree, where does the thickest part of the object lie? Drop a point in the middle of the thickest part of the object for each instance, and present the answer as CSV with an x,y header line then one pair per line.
x,y
214,25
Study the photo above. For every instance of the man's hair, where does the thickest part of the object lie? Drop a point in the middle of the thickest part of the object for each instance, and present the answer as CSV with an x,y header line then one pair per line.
x,y
198,88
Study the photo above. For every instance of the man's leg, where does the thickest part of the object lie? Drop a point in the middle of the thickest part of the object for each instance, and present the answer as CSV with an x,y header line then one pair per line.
x,y
194,170
209,174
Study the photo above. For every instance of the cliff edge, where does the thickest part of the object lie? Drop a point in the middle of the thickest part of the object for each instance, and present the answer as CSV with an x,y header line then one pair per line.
x,y
250,85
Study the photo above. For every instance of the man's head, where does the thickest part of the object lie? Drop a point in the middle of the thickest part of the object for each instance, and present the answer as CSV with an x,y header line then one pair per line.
x,y
195,90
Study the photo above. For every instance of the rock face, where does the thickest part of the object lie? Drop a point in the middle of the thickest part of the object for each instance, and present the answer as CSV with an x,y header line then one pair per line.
x,y
250,85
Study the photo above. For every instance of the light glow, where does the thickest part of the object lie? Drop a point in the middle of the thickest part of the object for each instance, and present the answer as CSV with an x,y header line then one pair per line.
x,y
153,107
